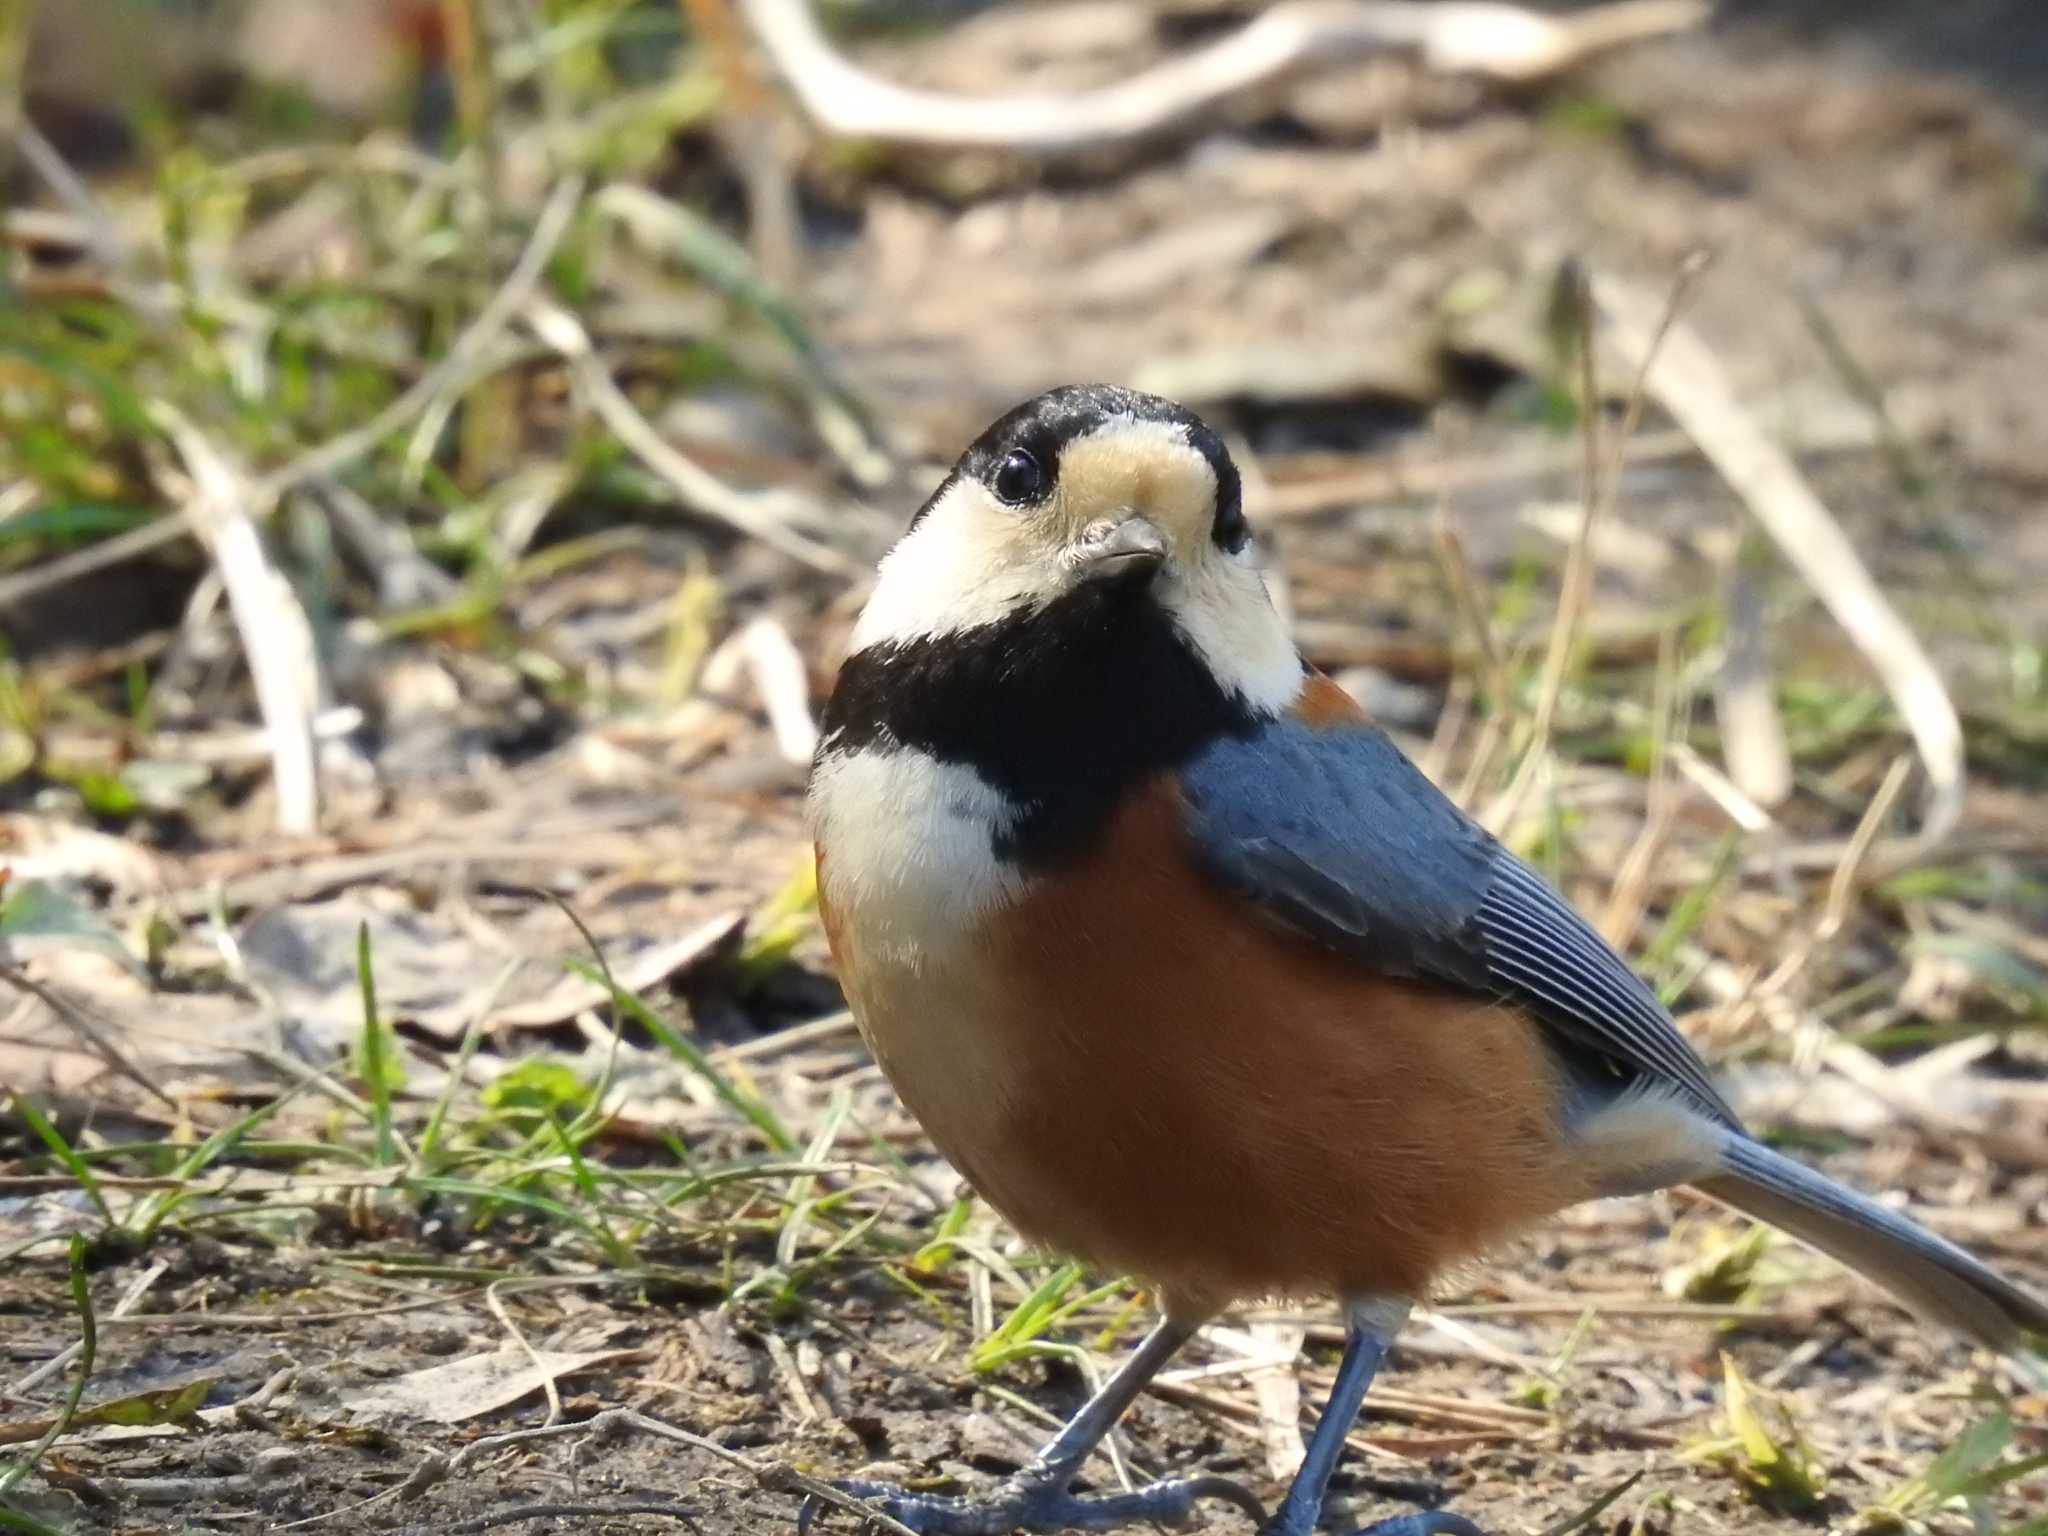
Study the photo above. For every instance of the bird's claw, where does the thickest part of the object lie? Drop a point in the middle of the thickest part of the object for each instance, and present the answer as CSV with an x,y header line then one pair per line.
x,y
1028,1503
1425,1522
1422,1522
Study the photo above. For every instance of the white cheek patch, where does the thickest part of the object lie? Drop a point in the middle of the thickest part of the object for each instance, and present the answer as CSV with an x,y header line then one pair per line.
x,y
908,848
967,564
1219,602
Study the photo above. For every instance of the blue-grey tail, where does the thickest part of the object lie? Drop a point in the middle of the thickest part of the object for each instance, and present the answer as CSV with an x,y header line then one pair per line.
x,y
1928,1273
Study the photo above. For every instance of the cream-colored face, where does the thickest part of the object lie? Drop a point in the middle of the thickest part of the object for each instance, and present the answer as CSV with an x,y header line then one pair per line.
x,y
974,560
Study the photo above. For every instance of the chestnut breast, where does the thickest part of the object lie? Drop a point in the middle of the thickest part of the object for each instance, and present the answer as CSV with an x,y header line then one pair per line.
x,y
1135,1068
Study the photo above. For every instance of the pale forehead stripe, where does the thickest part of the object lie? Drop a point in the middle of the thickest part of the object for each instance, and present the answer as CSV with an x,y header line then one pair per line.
x,y
1148,465
1132,446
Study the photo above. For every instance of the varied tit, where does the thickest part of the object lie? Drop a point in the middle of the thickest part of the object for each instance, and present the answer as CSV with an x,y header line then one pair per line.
x,y
1193,974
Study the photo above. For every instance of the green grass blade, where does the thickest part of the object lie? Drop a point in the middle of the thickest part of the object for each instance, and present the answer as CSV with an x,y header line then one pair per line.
x,y
686,1050
64,1152
1593,1511
472,1037
159,1207
567,1214
16,1520
376,1063
88,1348
616,1248
1027,1320
800,1203
1692,906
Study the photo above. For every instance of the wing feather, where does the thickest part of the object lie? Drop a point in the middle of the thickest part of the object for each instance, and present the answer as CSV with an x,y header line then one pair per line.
x,y
1331,831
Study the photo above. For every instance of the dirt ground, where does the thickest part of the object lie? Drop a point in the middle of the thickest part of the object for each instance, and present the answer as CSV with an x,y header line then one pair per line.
x,y
1351,273
308,1422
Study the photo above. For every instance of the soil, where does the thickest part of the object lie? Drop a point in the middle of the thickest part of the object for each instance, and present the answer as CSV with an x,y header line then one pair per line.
x,y
879,1387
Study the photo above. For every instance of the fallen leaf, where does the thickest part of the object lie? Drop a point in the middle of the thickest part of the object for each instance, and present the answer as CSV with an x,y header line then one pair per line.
x,y
480,1384
165,1405
36,910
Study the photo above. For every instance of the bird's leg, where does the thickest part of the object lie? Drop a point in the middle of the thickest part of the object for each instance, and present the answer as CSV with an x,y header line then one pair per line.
x,y
1370,1325
1060,1458
1039,1496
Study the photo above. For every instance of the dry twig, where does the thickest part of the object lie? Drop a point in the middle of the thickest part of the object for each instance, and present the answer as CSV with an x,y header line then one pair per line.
x,y
339,452
777,668
80,1023
579,1512
57,1363
101,234
772,1476
764,516
1277,1390
108,552
1602,476
547,1377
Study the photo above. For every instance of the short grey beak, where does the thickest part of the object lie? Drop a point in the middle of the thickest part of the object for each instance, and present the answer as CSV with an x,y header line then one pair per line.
x,y
1131,549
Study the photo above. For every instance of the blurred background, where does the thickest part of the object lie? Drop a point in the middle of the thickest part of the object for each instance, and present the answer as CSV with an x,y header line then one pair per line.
x,y
442,448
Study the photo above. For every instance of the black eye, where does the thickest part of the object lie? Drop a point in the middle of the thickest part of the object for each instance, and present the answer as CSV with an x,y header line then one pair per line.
x,y
1018,478
1230,530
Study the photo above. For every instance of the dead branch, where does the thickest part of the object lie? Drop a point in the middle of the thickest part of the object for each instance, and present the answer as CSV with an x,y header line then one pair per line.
x,y
1504,42
608,1512
777,667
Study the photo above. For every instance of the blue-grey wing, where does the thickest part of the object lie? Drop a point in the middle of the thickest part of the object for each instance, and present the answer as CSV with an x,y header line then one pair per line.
x,y
1332,831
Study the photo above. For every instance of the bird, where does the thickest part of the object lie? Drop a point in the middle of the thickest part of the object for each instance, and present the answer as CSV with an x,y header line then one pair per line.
x,y
1192,974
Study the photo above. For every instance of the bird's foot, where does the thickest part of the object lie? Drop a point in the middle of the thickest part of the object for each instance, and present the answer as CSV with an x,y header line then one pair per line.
x,y
1425,1522
1038,1501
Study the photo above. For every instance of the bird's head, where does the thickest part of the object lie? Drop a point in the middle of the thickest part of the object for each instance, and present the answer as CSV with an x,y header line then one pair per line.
x,y
1090,511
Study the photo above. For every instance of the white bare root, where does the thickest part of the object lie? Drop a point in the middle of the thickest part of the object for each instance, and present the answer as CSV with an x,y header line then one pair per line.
x,y
1277,1390
1753,743
777,667
1504,42
224,507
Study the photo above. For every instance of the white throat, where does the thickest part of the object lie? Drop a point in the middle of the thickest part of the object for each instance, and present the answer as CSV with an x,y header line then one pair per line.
x,y
908,848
